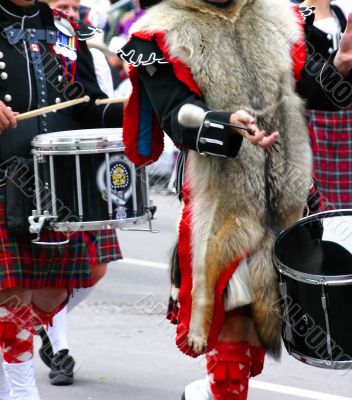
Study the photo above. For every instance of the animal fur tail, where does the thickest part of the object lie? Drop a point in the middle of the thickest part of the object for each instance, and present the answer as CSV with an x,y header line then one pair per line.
x,y
266,308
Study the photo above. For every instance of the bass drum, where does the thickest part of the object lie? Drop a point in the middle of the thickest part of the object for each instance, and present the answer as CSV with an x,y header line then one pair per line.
x,y
314,261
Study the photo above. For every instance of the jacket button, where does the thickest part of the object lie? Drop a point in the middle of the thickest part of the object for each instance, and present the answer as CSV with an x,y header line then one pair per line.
x,y
8,97
1,54
2,65
3,76
57,100
329,36
331,50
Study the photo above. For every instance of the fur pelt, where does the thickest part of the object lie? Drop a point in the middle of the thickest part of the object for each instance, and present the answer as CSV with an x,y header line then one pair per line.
x,y
240,59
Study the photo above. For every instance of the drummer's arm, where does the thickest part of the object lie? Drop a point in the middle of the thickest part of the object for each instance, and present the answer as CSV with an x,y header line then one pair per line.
x,y
88,114
167,95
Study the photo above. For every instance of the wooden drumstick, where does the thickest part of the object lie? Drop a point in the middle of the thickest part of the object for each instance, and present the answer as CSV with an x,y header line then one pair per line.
x,y
116,100
52,108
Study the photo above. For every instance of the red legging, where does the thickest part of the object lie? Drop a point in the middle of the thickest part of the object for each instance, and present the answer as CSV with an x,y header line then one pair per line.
x,y
230,365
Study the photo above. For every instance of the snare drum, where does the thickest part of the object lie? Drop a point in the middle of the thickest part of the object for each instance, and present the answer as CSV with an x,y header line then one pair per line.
x,y
314,261
84,181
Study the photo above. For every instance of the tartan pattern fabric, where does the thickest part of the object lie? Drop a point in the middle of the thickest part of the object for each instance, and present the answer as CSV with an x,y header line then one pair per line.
x,y
27,265
18,347
331,136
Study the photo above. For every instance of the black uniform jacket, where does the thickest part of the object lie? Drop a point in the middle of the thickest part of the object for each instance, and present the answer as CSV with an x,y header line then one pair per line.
x,y
167,94
32,76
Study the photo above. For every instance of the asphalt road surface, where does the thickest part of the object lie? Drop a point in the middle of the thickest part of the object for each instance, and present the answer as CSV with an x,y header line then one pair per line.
x,y
125,350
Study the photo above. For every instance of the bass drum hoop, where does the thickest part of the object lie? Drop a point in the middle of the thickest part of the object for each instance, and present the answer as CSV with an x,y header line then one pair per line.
x,y
329,280
325,364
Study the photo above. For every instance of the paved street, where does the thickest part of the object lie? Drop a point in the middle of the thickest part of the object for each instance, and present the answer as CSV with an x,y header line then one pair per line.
x,y
125,350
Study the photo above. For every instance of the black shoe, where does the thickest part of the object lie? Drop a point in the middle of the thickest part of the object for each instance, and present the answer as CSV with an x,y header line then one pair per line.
x,y
46,352
62,366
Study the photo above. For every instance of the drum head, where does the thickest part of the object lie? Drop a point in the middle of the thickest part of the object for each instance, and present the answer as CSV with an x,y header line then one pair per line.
x,y
320,245
84,139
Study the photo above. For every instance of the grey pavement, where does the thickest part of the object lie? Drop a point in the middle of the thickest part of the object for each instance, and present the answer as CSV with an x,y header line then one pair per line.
x,y
125,350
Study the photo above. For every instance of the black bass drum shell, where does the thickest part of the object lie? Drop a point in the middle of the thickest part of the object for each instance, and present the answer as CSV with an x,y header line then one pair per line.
x,y
314,260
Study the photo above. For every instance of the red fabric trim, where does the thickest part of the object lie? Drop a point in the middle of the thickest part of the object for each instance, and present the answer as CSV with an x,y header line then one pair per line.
x,y
131,127
185,263
131,114
182,72
299,50
185,294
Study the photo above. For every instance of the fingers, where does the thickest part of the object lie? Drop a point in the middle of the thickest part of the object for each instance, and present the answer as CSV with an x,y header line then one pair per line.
x,y
267,141
7,118
261,139
242,117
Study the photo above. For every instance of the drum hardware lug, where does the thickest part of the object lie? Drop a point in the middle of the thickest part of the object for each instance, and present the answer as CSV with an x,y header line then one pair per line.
x,y
286,317
324,303
40,158
151,230
35,227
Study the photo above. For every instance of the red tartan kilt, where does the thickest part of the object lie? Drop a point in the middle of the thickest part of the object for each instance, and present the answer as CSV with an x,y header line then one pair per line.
x,y
24,264
331,137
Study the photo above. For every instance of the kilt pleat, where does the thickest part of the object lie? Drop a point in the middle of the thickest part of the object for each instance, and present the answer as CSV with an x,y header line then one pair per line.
x,y
27,265
331,135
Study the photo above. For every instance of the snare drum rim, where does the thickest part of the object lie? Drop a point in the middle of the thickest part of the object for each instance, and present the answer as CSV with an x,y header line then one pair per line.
x,y
73,152
83,141
336,280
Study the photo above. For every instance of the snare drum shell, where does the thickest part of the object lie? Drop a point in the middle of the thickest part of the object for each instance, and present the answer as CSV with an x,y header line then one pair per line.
x,y
93,184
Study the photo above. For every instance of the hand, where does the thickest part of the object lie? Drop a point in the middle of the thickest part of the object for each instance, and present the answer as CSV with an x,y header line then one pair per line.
x,y
7,118
343,58
259,137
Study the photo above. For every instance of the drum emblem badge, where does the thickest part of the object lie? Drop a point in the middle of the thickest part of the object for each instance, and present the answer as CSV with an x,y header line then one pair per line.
x,y
120,184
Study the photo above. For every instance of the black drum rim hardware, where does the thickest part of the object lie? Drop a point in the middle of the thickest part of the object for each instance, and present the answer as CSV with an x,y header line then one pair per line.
x,y
329,280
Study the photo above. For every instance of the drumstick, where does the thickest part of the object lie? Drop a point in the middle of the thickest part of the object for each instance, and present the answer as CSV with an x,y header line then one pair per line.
x,y
52,108
116,100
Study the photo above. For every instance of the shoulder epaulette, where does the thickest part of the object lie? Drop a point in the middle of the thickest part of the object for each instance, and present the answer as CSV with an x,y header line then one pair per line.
x,y
308,15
